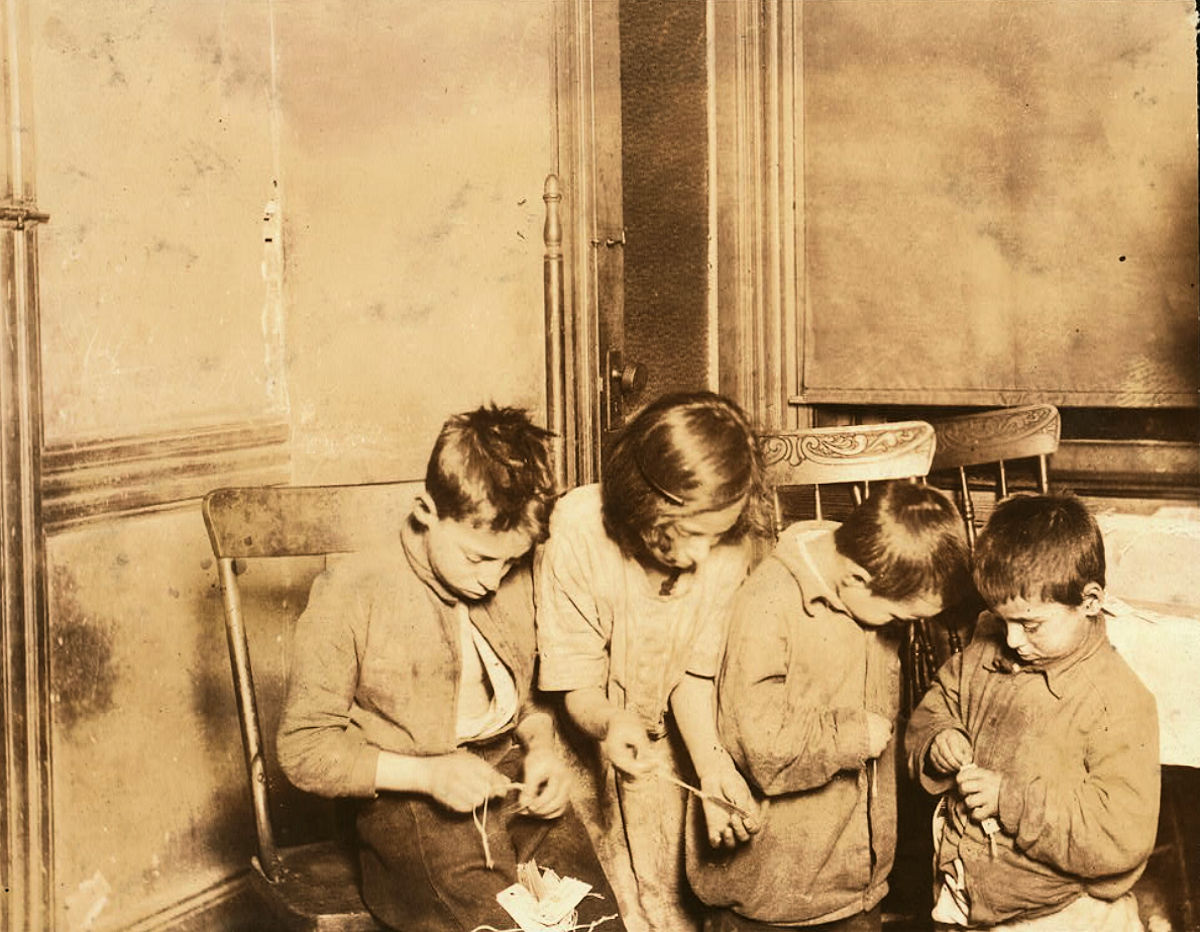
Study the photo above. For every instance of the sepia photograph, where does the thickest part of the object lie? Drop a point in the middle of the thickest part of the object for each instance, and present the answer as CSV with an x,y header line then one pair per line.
x,y
600,466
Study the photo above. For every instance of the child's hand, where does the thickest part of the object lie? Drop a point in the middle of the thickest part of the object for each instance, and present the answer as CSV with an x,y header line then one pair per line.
x,y
547,784
951,751
728,829
626,744
879,733
461,781
980,790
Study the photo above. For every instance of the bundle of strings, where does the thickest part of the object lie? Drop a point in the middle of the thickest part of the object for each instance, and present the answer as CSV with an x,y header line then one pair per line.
x,y
480,821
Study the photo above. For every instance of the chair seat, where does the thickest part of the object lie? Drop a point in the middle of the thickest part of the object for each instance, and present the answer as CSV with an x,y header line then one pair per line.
x,y
317,889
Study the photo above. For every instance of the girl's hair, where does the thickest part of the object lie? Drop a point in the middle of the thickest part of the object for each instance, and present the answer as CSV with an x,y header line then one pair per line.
x,y
491,467
684,453
910,538
1039,547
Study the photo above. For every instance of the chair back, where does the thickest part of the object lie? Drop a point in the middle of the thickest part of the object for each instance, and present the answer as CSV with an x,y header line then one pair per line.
x,y
291,521
856,455
994,438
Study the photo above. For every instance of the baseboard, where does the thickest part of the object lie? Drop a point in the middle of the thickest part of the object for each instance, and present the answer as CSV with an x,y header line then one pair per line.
x,y
229,906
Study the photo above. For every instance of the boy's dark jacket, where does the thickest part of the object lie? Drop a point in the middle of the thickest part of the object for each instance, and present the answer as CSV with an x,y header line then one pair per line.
x,y
376,664
1077,745
798,678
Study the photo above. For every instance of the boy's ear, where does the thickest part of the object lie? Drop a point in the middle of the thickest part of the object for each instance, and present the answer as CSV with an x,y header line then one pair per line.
x,y
855,577
1093,598
424,510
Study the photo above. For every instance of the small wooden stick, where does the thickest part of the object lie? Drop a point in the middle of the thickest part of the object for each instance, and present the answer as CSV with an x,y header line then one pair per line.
x,y
711,797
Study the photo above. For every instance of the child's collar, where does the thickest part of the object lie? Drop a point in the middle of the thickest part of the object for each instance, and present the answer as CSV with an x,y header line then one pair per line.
x,y
814,584
414,543
1053,672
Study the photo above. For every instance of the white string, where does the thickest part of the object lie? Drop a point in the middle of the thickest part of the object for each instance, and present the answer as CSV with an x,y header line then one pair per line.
x,y
701,794
571,928
481,825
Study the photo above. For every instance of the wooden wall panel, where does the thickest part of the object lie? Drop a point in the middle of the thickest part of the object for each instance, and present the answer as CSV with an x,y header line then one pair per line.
x,y
1000,202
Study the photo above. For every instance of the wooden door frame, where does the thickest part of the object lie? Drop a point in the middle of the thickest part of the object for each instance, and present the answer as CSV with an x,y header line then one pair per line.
x,y
26,834
588,166
756,188
756,182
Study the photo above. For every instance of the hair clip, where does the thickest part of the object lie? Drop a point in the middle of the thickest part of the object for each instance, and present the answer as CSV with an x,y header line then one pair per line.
x,y
669,496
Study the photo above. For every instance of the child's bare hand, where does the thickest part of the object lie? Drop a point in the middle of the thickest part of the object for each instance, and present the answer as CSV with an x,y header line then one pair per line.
x,y
626,744
728,829
980,790
879,733
461,781
547,787
951,751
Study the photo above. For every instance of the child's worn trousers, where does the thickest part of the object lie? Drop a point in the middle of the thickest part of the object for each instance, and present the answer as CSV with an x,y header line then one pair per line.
x,y
424,866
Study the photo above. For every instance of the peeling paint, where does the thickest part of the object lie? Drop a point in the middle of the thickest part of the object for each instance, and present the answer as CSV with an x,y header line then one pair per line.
x,y
85,905
273,309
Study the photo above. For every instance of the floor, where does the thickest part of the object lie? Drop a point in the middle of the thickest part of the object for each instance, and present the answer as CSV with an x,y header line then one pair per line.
x,y
1162,901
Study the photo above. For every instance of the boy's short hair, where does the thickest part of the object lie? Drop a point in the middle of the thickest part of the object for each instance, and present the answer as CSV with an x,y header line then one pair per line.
x,y
911,539
687,450
1039,547
491,467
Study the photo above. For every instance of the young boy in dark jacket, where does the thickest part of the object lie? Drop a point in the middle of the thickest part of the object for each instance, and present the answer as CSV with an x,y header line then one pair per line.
x,y
1042,740
807,700
410,689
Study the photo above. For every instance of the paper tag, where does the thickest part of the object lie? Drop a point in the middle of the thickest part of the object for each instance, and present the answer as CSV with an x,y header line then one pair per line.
x,y
521,905
553,912
561,900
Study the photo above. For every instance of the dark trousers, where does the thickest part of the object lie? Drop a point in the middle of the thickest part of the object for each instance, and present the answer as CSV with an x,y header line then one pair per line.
x,y
725,920
424,869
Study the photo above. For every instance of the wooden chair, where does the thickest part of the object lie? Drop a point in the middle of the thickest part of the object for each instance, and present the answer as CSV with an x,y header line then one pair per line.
x,y
854,457
842,459
310,886
994,438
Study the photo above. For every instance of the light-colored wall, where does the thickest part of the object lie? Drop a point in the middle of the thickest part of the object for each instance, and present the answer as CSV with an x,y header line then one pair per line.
x,y
154,160
286,240
416,139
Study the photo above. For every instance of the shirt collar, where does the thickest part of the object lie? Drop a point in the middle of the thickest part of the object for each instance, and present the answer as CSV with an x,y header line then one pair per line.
x,y
1056,671
803,563
416,550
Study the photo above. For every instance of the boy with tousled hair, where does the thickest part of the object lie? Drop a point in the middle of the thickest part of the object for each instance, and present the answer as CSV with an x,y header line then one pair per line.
x,y
1042,740
411,677
807,697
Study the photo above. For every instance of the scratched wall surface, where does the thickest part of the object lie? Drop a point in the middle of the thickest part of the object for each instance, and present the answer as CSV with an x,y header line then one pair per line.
x,y
416,140
154,160
149,786
328,211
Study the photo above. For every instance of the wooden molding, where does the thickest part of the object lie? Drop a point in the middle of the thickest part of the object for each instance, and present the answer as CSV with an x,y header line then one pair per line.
x,y
757,183
27,839
588,169
102,479
989,396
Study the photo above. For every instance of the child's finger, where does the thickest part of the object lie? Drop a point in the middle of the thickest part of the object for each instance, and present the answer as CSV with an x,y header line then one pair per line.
x,y
549,803
740,830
